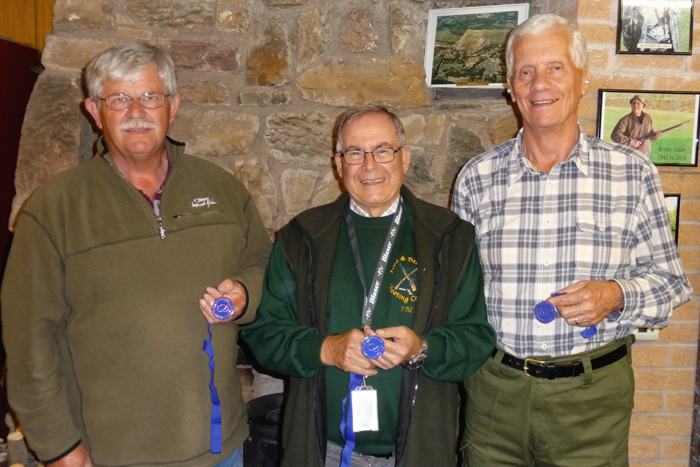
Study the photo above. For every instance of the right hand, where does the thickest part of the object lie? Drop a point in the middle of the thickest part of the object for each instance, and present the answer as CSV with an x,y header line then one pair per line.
x,y
635,143
345,352
79,457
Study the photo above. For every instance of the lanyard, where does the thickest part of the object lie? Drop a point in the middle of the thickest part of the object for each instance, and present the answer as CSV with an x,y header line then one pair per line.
x,y
346,427
371,294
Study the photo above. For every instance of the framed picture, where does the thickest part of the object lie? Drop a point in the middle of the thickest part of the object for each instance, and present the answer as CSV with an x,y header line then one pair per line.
x,y
673,204
467,46
655,27
663,125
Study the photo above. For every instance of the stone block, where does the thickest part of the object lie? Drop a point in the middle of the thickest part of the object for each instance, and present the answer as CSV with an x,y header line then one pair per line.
x,y
677,449
690,209
288,2
73,15
595,9
598,58
357,33
419,176
233,15
203,54
679,332
607,81
434,129
689,310
300,139
261,96
599,33
183,14
503,128
675,83
629,63
649,355
664,379
256,177
684,356
408,25
328,189
414,126
314,36
223,132
648,402
73,52
134,33
398,83
679,402
268,63
687,183
297,186
644,448
463,143
689,235
204,92
691,258
50,142
660,425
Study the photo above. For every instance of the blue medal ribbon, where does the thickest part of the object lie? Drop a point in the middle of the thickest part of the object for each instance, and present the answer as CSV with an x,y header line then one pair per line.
x,y
215,403
346,421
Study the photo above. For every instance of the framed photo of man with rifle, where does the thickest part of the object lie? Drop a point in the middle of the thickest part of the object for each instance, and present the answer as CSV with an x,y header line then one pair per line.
x,y
662,125
655,27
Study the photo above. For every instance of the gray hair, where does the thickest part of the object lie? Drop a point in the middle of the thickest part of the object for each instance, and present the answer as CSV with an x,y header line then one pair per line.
x,y
126,63
542,23
358,112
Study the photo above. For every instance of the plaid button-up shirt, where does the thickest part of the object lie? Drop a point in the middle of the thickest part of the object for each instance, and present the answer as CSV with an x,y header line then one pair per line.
x,y
599,215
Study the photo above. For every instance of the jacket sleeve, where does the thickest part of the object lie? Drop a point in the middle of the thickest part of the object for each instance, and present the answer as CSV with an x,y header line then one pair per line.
x,y
620,133
34,315
276,338
657,282
253,259
459,348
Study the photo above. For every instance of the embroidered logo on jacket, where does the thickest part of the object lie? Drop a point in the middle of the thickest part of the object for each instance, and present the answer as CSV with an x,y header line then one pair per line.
x,y
404,272
201,202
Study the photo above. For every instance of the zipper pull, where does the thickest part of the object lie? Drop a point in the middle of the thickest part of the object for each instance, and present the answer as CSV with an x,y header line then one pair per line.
x,y
161,229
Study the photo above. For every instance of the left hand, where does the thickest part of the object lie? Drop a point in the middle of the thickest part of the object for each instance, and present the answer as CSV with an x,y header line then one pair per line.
x,y
658,134
404,347
587,303
228,288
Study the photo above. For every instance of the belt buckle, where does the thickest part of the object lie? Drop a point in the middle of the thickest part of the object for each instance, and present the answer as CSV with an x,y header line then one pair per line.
x,y
533,360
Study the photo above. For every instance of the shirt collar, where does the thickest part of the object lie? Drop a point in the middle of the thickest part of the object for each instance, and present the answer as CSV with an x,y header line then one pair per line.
x,y
354,207
518,164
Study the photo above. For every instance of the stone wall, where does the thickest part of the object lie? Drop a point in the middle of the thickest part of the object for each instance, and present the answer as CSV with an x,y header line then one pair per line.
x,y
262,85
264,80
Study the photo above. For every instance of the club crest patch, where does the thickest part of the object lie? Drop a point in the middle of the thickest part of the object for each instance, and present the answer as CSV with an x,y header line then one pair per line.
x,y
203,202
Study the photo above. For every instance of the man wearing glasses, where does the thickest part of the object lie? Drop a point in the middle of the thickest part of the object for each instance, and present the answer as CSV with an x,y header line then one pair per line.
x,y
112,265
374,306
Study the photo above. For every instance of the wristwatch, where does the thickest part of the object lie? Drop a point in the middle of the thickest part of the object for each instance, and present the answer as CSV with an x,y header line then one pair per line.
x,y
417,361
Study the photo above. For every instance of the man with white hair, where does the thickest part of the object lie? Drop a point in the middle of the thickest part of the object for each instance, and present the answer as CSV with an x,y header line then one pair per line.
x,y
576,249
111,265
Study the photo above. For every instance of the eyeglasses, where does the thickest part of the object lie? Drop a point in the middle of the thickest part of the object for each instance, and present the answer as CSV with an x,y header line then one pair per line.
x,y
382,155
148,100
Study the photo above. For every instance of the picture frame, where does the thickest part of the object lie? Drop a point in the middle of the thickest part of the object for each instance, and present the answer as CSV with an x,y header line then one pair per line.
x,y
655,27
673,204
466,46
668,134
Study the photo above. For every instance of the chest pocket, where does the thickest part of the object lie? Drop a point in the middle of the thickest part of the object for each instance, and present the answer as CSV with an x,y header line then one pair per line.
x,y
601,246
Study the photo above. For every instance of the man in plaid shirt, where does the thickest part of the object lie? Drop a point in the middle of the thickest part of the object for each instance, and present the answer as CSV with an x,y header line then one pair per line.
x,y
557,211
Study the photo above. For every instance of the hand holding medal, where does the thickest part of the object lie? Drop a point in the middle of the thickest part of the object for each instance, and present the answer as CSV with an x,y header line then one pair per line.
x,y
545,312
223,303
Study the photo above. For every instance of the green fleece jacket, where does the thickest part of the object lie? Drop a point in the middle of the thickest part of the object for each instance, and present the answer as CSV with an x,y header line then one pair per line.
x,y
450,314
101,319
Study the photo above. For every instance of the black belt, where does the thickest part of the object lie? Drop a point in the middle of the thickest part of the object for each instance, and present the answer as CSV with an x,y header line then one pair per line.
x,y
541,369
386,455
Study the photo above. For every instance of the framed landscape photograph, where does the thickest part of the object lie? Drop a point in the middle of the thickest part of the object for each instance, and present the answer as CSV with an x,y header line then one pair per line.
x,y
673,204
655,27
663,125
467,46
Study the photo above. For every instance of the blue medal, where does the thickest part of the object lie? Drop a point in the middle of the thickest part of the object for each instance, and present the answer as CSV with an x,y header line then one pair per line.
x,y
373,347
545,312
222,308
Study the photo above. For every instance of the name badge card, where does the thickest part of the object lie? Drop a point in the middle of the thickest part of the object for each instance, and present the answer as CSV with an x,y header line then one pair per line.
x,y
364,409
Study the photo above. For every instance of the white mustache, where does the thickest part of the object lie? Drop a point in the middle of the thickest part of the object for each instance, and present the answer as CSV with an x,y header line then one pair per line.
x,y
137,122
